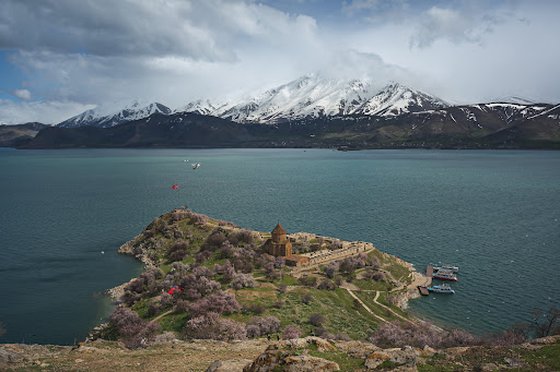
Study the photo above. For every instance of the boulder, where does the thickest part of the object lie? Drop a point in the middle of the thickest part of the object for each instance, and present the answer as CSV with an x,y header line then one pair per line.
x,y
274,358
404,358
8,357
232,365
375,359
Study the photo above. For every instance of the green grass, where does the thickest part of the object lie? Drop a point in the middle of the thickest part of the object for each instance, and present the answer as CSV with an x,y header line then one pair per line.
x,y
336,306
174,322
344,361
547,357
369,284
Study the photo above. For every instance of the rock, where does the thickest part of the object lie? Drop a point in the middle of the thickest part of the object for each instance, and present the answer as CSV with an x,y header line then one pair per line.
x,y
513,363
300,343
404,358
375,359
276,359
549,340
487,367
233,365
427,352
8,357
306,363
357,349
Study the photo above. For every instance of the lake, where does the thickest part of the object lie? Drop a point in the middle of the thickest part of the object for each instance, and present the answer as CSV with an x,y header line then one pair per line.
x,y
496,214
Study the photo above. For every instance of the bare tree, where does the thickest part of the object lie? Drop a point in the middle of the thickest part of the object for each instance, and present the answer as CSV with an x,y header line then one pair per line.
x,y
546,322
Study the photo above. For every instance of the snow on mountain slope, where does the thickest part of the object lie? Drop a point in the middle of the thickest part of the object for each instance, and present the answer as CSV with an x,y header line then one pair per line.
x,y
105,117
316,96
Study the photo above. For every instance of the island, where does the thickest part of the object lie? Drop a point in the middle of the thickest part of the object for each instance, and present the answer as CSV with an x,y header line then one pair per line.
x,y
218,297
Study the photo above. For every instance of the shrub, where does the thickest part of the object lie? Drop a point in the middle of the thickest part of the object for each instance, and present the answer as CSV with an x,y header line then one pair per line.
x,y
202,257
545,323
241,236
330,270
291,332
260,326
306,298
196,287
256,309
282,288
133,331
243,281
327,284
219,303
401,334
308,281
211,326
214,241
166,300
196,218
227,271
317,319
178,251
515,335
323,333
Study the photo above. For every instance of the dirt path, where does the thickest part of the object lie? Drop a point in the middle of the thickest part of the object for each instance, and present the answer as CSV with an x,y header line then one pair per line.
x,y
389,309
161,316
365,306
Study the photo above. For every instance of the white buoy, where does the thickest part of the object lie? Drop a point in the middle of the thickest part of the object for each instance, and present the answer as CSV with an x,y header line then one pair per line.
x,y
102,252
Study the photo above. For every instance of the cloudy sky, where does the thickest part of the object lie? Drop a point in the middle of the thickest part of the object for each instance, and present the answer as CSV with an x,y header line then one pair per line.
x,y
60,57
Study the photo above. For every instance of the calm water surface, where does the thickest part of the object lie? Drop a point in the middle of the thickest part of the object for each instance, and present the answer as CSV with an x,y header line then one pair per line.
x,y
494,213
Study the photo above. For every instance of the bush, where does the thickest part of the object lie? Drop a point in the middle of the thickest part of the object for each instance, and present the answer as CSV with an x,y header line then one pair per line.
x,y
256,309
316,320
291,332
308,281
241,236
327,284
261,326
133,331
545,323
226,270
211,326
202,257
196,287
178,251
306,298
219,303
401,334
214,241
330,270
243,281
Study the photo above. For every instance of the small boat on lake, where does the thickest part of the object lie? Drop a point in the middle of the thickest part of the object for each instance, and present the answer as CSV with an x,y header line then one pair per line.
x,y
440,266
445,275
443,288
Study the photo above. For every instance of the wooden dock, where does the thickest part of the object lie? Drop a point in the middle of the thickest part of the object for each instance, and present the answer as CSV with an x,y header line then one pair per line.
x,y
429,271
423,290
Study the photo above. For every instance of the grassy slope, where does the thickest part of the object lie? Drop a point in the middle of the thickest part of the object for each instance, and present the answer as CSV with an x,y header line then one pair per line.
x,y
341,313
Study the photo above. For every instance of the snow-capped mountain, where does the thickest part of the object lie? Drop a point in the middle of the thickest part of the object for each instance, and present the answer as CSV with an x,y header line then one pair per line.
x,y
314,96
104,117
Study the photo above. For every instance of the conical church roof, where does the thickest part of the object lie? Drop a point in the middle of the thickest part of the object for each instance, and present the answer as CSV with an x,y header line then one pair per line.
x,y
279,230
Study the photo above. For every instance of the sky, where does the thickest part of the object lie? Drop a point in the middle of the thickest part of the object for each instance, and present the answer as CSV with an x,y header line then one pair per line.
x,y
61,57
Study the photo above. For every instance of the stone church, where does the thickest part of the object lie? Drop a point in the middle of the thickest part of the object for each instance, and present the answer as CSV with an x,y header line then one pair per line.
x,y
278,245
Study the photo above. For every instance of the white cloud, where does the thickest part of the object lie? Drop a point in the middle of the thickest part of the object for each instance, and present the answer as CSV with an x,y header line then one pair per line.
x,y
174,51
22,94
451,24
44,112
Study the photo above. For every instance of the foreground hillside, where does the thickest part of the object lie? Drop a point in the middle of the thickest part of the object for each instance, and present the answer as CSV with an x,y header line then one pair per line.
x,y
309,354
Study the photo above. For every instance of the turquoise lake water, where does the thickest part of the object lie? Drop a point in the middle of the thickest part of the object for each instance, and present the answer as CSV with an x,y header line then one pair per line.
x,y
494,213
